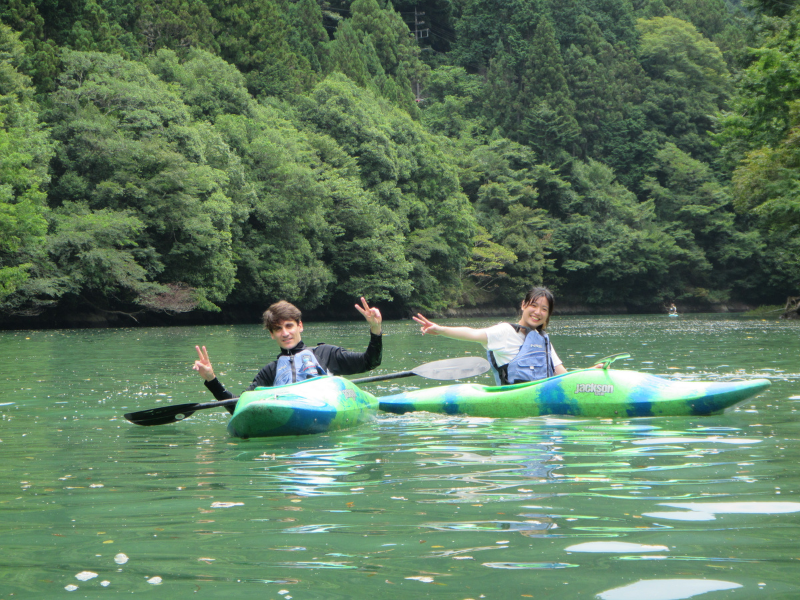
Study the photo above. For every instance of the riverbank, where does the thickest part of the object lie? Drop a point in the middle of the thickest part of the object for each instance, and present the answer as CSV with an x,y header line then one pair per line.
x,y
231,316
585,309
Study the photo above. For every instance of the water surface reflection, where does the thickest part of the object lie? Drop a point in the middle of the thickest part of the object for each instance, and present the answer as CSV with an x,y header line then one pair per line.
x,y
413,506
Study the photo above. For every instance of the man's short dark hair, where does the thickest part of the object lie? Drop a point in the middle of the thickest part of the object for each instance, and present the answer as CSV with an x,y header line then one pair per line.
x,y
279,312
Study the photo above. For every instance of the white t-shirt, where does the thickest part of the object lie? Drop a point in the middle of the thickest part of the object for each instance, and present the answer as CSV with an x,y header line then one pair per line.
x,y
505,342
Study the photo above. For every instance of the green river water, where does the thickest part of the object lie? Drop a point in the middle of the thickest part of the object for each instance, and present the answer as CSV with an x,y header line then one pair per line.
x,y
413,506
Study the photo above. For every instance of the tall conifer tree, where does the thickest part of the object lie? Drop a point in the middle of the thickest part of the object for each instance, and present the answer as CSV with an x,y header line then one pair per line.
x,y
549,124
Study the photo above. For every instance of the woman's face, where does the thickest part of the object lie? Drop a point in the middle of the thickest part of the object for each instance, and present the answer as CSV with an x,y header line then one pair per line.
x,y
536,313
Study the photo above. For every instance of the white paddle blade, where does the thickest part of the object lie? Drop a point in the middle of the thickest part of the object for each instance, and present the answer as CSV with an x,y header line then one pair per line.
x,y
453,368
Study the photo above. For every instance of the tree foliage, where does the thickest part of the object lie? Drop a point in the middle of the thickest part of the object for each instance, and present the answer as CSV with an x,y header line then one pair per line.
x,y
25,149
126,144
177,155
690,82
761,140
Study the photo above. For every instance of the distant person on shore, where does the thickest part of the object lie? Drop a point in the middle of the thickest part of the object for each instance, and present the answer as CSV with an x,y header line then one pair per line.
x,y
296,361
673,310
518,352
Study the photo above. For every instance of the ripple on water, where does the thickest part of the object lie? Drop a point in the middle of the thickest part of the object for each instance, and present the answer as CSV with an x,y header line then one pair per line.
x,y
707,511
615,547
220,517
742,508
666,589
528,565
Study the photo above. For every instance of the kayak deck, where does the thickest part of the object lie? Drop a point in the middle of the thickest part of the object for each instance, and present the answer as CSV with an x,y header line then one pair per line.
x,y
313,406
584,393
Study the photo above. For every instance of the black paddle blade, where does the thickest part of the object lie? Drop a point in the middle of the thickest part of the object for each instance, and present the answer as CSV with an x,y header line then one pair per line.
x,y
173,413
158,416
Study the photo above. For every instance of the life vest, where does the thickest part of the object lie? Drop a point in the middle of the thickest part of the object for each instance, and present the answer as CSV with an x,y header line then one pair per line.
x,y
532,362
292,368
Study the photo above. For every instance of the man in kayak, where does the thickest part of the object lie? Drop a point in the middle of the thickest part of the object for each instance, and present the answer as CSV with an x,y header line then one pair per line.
x,y
296,361
518,352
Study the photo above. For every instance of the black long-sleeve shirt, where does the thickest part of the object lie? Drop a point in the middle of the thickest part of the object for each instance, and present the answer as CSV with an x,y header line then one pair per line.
x,y
333,359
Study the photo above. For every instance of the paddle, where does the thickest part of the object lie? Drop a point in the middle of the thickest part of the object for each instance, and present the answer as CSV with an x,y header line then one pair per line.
x,y
443,370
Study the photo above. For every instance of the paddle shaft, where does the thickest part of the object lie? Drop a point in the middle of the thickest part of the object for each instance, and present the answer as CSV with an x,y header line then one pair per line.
x,y
232,401
384,377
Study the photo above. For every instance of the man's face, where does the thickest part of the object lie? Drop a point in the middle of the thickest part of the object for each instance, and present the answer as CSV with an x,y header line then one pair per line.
x,y
287,333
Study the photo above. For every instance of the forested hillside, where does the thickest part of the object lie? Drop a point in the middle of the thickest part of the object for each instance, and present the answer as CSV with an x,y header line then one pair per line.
x,y
204,155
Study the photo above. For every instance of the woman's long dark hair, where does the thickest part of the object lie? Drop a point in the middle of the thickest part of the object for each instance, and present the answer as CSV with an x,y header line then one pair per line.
x,y
541,292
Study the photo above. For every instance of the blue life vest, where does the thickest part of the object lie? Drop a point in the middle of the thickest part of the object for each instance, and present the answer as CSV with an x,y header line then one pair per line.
x,y
292,368
533,362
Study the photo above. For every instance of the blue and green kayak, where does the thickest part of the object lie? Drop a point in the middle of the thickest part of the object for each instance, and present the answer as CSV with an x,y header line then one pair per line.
x,y
327,404
312,406
584,393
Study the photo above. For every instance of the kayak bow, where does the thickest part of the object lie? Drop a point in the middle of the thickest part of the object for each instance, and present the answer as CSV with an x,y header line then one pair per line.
x,y
316,405
583,393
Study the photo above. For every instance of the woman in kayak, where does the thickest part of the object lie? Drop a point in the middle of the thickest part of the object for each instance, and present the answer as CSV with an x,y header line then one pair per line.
x,y
519,351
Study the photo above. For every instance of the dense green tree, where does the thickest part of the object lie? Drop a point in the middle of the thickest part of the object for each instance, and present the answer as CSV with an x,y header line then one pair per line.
x,y
251,154
761,111
126,144
549,124
307,34
281,239
367,255
452,102
501,101
312,234
721,21
615,17
608,86
708,16
690,83
94,256
374,49
207,84
483,28
505,185
253,36
402,165
40,60
483,24
486,267
25,150
760,142
177,25
699,214
357,59
773,8
767,187
548,112
610,249
94,30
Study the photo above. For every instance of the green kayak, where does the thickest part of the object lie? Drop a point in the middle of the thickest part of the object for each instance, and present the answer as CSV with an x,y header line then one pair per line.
x,y
584,393
312,406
